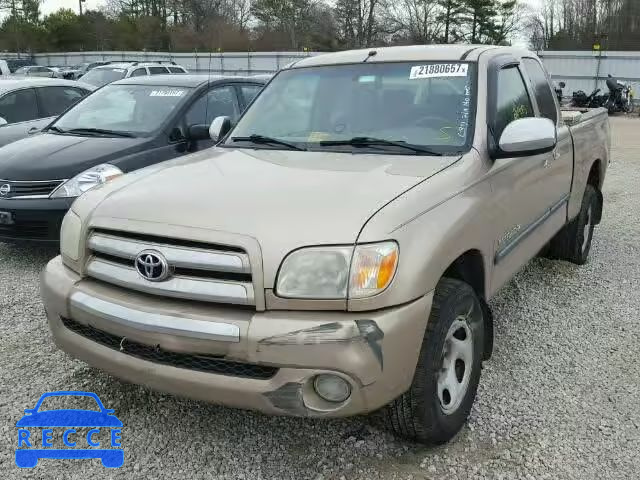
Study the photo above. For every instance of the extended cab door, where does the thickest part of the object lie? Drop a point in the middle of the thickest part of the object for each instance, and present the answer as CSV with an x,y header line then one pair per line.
x,y
559,168
521,194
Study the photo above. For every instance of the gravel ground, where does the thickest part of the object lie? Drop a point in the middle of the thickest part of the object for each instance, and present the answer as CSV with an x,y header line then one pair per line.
x,y
559,399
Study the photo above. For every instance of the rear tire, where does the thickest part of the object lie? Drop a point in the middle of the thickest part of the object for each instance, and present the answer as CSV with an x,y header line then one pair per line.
x,y
573,242
446,378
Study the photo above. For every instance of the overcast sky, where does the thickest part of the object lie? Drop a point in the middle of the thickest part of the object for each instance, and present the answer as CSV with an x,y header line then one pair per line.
x,y
49,6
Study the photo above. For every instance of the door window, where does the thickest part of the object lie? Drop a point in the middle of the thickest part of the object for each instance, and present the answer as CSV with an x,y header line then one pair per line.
x,y
220,101
249,92
139,72
20,106
540,85
177,70
157,70
55,100
513,100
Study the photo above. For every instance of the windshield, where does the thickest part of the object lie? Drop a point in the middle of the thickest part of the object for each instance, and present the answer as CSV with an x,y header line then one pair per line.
x,y
102,76
422,103
135,109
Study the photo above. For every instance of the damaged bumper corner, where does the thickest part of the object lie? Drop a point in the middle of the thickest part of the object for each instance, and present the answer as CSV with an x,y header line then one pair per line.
x,y
375,352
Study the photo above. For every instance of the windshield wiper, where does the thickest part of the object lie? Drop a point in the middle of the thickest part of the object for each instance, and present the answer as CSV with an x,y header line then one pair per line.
x,y
266,140
372,142
57,129
99,131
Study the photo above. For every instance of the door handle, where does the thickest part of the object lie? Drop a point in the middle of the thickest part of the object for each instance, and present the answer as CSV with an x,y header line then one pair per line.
x,y
33,130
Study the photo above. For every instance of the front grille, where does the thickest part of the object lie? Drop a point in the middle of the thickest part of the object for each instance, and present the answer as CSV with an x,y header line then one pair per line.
x,y
30,230
194,270
20,189
187,361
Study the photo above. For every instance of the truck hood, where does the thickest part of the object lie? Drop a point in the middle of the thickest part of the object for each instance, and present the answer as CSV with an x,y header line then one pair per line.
x,y
50,156
282,199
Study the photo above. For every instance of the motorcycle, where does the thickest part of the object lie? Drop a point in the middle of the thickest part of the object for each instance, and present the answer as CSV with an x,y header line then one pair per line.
x,y
620,97
580,99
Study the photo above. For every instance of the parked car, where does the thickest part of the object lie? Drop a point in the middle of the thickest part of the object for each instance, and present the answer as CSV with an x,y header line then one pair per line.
x,y
36,71
29,104
16,63
337,251
99,76
122,127
83,68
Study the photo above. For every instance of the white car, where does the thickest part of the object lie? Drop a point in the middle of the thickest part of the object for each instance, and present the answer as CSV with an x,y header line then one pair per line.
x,y
36,71
100,76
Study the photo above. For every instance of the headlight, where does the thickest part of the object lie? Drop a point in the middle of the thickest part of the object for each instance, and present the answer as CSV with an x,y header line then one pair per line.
x,y
323,272
86,180
70,236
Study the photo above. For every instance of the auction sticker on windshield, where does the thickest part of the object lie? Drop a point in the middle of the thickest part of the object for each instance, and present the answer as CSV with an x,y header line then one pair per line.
x,y
166,93
439,70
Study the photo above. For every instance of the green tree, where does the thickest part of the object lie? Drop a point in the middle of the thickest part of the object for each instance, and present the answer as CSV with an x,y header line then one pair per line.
x,y
451,12
480,19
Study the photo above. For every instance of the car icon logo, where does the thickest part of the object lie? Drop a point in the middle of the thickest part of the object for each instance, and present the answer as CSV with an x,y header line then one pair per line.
x,y
36,437
5,189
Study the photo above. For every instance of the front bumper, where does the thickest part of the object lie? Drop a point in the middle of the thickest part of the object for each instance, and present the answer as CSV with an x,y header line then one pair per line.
x,y
376,352
34,220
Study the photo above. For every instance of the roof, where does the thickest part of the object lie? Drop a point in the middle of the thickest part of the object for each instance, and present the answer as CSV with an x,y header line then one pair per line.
x,y
181,80
13,82
412,53
125,65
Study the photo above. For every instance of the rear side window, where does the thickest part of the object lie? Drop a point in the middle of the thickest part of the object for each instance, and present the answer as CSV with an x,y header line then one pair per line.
x,y
20,106
157,70
513,100
540,86
55,100
176,70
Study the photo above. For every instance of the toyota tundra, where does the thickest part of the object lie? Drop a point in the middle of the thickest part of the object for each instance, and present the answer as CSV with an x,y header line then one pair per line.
x,y
335,253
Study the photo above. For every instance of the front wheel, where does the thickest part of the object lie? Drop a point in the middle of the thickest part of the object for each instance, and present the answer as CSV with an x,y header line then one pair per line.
x,y
446,378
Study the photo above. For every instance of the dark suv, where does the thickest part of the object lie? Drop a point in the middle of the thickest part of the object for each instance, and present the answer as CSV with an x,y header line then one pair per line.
x,y
124,126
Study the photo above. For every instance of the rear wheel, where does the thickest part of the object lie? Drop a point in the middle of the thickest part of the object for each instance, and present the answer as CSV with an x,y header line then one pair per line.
x,y
446,378
573,242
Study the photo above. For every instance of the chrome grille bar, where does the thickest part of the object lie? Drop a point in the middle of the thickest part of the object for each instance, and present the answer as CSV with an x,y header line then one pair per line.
x,y
177,286
177,256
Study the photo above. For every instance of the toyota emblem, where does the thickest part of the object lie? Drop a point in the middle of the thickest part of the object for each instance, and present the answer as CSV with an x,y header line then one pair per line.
x,y
5,189
152,266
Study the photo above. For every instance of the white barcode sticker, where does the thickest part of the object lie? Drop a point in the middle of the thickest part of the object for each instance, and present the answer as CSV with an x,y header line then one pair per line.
x,y
439,70
166,93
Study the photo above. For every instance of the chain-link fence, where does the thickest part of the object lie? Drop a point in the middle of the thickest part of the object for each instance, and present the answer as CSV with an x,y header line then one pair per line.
x,y
243,63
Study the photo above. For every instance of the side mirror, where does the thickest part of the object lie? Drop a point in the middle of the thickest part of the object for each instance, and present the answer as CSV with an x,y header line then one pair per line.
x,y
219,128
527,136
198,132
562,84
3,122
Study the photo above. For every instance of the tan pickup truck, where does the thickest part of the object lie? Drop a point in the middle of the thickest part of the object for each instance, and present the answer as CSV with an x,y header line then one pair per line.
x,y
335,253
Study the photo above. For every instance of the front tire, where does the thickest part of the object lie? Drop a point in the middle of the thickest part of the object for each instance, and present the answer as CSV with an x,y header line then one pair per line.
x,y
447,375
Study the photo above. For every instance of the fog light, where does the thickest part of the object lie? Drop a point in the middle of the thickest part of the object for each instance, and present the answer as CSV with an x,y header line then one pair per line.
x,y
332,388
